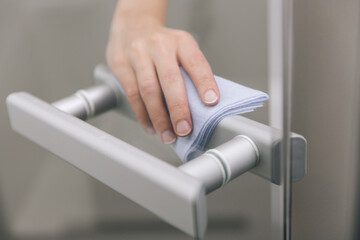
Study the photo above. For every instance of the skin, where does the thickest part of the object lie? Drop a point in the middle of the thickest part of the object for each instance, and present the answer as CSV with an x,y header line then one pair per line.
x,y
145,56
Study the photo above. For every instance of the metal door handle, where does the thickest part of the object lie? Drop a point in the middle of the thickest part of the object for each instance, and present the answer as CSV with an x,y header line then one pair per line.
x,y
176,195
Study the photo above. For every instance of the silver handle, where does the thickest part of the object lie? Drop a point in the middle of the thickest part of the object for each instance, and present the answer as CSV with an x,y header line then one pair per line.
x,y
107,94
177,195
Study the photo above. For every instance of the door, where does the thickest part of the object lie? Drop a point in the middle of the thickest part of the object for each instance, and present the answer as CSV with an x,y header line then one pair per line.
x,y
242,56
244,41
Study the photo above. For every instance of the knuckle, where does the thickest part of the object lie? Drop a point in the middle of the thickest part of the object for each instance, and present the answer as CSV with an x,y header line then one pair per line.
x,y
179,107
163,50
161,42
119,60
137,45
158,38
132,94
171,76
159,121
196,59
184,35
115,59
147,86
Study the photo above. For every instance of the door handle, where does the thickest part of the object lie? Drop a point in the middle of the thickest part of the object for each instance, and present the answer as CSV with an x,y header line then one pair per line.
x,y
266,138
175,194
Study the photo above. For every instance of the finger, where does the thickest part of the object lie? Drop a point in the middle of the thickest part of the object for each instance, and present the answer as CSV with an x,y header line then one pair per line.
x,y
174,91
199,70
151,94
126,76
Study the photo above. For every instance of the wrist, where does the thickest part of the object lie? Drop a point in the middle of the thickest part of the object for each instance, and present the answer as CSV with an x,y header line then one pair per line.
x,y
140,13
135,21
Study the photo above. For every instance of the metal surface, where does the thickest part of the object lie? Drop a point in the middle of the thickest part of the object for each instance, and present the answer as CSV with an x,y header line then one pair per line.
x,y
275,82
266,138
280,19
224,163
175,195
237,156
286,163
156,185
89,102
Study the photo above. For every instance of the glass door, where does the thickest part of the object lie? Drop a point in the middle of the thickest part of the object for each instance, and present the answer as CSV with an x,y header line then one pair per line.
x,y
248,42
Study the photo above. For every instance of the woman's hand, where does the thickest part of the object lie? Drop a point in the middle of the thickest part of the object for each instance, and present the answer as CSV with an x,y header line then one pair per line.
x,y
145,57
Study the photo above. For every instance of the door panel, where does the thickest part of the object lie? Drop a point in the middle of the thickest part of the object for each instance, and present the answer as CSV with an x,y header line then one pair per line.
x,y
49,48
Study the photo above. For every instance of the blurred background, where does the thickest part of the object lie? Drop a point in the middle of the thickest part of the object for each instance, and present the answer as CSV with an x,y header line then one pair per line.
x,y
50,47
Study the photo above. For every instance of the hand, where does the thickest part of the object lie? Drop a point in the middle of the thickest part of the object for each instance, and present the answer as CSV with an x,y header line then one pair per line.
x,y
145,58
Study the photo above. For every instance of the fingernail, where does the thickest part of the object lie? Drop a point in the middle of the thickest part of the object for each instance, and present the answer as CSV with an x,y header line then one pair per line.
x,y
168,137
183,128
150,130
210,96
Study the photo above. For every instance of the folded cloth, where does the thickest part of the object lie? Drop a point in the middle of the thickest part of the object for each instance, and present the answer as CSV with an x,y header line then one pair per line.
x,y
234,99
